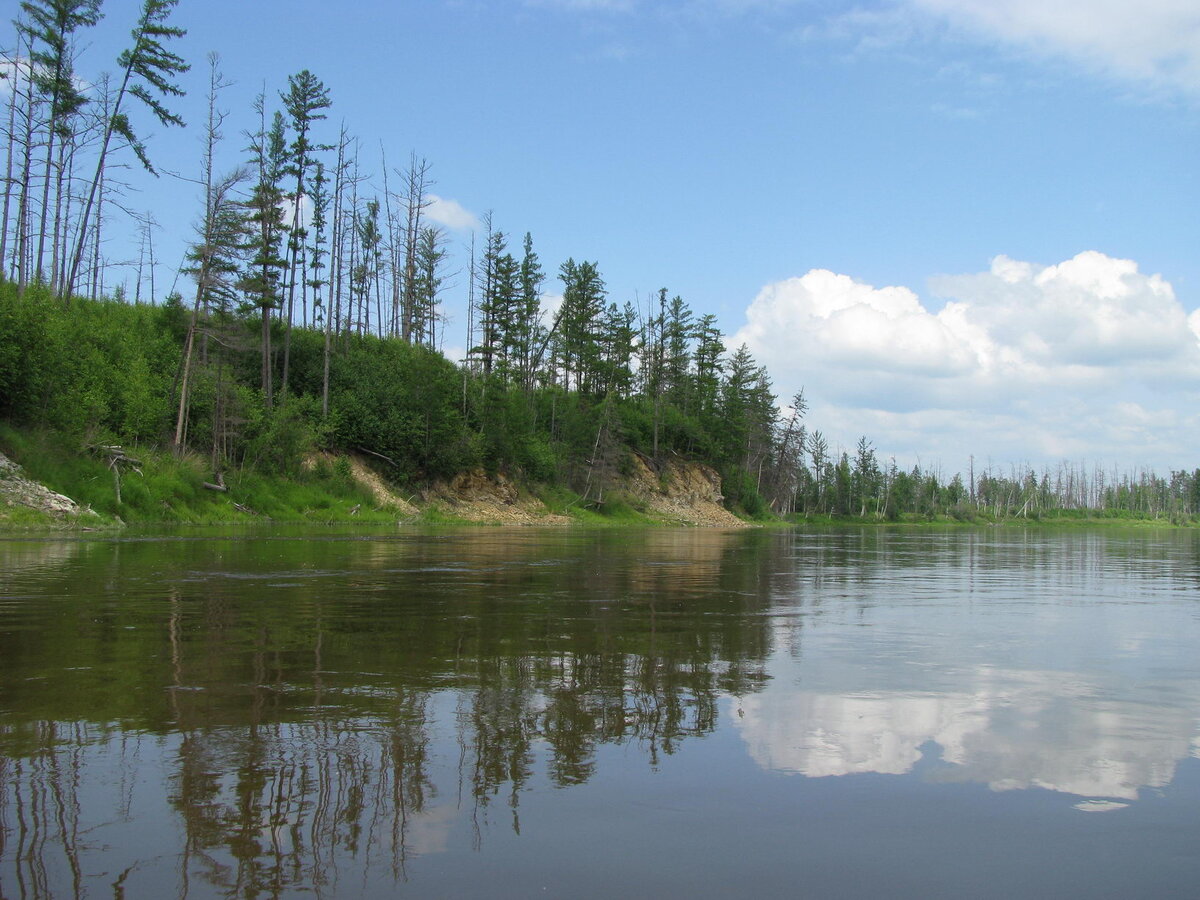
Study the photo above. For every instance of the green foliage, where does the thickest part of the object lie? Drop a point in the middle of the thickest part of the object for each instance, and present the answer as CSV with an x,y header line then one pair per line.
x,y
402,402
95,367
169,489
285,435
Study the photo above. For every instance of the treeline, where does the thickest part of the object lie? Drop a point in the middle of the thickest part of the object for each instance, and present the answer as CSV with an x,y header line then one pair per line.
x,y
316,318
859,485
106,371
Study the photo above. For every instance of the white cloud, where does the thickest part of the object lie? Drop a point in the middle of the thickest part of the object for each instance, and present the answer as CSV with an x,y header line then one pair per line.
x,y
550,304
450,213
1006,728
1153,40
1086,358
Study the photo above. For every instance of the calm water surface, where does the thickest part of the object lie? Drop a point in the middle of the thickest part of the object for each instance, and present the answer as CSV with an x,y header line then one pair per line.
x,y
573,713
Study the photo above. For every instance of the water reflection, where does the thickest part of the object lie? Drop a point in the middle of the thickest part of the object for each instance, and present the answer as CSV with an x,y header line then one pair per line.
x,y
1028,660
309,709
270,715
1021,730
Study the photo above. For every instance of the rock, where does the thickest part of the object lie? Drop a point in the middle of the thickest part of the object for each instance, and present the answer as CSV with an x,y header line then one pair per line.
x,y
17,490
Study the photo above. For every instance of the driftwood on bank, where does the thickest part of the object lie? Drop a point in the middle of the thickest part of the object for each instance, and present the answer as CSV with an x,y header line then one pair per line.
x,y
217,484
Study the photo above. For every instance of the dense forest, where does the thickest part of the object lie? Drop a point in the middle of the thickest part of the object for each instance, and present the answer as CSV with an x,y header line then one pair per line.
x,y
315,318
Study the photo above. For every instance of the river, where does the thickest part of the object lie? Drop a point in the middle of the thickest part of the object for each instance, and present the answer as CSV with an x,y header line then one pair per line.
x,y
582,713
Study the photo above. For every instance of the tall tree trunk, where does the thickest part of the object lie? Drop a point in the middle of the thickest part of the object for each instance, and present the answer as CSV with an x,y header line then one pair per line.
x,y
267,387
60,203
333,312
68,284
44,224
97,281
8,164
26,175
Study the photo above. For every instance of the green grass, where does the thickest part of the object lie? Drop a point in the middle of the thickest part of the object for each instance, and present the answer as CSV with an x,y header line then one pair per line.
x,y
168,490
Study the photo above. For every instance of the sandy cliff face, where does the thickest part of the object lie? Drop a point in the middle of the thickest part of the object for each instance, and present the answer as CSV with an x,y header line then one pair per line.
x,y
681,491
677,491
479,497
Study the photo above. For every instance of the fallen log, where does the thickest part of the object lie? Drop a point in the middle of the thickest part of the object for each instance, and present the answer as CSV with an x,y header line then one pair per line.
x,y
218,486
380,455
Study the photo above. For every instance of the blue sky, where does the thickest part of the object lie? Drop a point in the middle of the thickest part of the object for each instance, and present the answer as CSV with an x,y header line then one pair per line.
x,y
963,226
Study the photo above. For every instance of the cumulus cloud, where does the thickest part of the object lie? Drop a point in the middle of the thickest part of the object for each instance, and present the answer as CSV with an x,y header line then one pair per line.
x,y
450,213
1028,362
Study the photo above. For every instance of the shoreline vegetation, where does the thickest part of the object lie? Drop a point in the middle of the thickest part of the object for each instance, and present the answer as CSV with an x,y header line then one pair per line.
x,y
338,490
298,374
91,395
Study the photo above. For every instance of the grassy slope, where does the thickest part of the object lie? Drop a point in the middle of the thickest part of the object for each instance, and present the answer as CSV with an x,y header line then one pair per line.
x,y
170,491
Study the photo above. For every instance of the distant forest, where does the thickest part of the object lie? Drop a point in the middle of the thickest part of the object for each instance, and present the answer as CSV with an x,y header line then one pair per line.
x,y
315,318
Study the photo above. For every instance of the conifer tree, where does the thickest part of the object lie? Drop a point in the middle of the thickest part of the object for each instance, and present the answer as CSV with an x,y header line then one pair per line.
x,y
147,70
304,101
268,148
678,331
431,253
708,365
416,201
582,307
51,25
214,260
491,304
526,326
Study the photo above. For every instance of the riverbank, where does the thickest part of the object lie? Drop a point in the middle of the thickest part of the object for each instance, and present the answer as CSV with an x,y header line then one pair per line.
x,y
47,483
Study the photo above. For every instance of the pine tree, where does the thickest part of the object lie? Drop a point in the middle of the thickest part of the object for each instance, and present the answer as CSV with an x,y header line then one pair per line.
x,y
431,253
491,305
144,66
678,331
215,258
50,26
304,101
582,308
268,148
416,201
708,365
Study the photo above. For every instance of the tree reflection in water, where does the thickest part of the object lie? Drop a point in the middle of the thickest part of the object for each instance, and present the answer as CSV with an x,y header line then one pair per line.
x,y
322,711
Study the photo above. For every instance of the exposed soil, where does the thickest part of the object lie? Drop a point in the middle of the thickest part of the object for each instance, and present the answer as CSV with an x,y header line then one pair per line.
x,y
479,497
369,479
680,492
675,491
688,493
